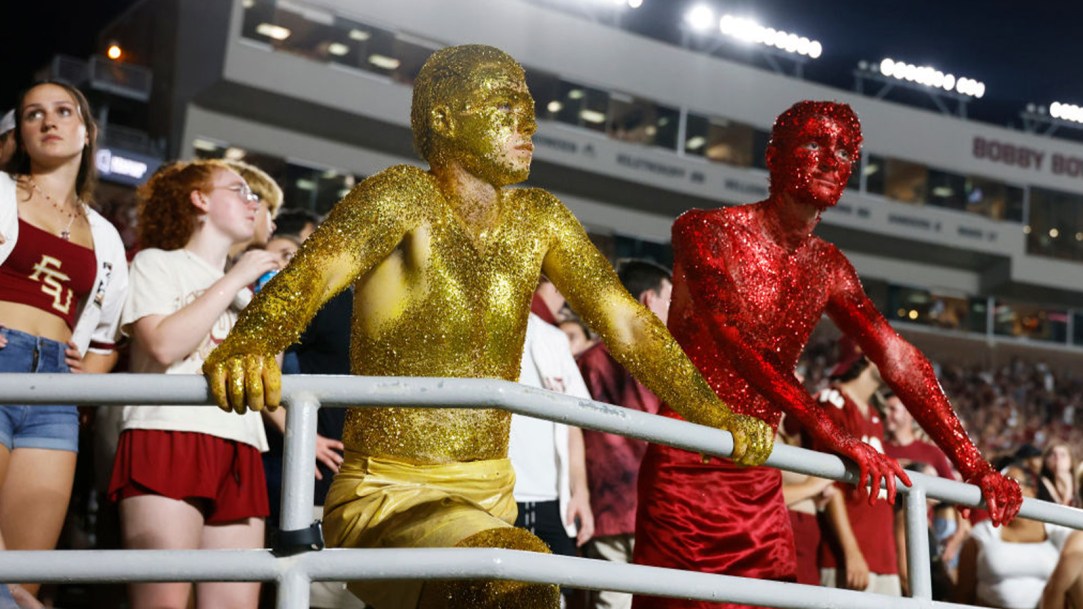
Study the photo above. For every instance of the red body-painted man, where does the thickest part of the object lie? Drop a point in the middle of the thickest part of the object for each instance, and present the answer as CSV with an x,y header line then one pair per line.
x,y
749,285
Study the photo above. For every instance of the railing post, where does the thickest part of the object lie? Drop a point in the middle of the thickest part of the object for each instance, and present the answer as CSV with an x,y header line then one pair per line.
x,y
297,531
918,566
293,589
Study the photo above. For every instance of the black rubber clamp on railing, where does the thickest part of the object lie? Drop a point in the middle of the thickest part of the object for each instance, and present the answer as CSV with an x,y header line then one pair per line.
x,y
308,539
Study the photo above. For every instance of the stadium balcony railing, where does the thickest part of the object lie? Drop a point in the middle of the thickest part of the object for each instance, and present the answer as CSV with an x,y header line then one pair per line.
x,y
297,562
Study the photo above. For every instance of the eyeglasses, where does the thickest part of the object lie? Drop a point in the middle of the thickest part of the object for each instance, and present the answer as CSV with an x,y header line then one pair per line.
x,y
242,191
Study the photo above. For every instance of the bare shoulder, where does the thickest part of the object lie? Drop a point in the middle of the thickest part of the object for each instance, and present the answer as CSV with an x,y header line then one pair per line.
x,y
395,182
818,246
399,192
827,255
534,199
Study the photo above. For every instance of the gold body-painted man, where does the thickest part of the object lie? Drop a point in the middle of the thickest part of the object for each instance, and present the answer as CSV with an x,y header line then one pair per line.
x,y
443,264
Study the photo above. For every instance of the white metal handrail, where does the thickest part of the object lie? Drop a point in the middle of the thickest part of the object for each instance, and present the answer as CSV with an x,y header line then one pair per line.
x,y
305,394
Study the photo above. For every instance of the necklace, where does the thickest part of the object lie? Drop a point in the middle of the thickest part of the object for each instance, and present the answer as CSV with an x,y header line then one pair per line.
x,y
66,233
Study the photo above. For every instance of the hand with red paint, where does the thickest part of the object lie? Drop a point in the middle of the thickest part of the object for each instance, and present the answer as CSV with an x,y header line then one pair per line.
x,y
1002,495
874,467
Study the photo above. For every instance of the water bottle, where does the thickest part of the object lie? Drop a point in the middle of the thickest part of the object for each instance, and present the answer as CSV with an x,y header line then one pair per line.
x,y
263,279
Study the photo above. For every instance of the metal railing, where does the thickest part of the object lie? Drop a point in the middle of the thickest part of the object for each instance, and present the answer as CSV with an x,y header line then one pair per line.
x,y
304,395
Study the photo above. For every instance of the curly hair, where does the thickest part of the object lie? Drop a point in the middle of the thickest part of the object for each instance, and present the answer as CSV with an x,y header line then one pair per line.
x,y
167,217
86,181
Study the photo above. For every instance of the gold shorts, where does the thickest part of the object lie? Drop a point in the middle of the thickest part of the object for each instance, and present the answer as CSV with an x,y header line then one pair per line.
x,y
380,503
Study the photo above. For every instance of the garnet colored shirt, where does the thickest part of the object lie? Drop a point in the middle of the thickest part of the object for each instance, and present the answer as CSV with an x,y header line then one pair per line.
x,y
873,525
612,460
920,451
48,273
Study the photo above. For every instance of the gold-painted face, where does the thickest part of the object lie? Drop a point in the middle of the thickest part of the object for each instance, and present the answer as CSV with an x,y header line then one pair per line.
x,y
489,127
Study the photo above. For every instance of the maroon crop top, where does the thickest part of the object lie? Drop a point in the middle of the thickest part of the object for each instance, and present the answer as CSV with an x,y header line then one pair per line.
x,y
48,273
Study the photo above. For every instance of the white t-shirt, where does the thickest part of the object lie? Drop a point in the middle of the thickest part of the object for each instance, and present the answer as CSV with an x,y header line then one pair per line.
x,y
162,282
538,449
1013,575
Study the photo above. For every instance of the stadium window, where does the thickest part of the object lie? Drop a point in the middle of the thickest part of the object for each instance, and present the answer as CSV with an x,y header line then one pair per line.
x,y
631,119
640,121
905,181
873,172
412,53
581,106
729,142
908,304
379,55
720,140
353,43
310,34
1055,225
945,189
1030,321
667,123
257,13
543,88
695,135
994,199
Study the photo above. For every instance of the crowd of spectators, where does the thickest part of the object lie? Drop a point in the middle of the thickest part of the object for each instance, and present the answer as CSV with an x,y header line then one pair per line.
x,y
1004,407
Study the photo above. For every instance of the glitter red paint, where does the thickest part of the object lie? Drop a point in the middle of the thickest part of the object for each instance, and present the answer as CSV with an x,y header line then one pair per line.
x,y
813,148
749,285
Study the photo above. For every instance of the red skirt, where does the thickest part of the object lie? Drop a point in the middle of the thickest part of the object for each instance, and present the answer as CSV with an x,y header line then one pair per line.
x,y
714,517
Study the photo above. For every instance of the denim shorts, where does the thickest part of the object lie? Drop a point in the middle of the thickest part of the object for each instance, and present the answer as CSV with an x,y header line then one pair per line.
x,y
53,427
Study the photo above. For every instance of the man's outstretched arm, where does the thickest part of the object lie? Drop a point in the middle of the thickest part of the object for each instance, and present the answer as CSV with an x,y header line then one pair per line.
x,y
911,376
361,230
639,340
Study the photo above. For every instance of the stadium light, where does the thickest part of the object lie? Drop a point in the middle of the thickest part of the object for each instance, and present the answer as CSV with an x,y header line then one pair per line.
x,y
931,77
749,30
699,17
1045,121
943,89
1066,112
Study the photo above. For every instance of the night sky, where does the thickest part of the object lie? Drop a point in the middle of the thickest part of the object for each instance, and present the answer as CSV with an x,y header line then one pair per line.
x,y
33,31
1024,52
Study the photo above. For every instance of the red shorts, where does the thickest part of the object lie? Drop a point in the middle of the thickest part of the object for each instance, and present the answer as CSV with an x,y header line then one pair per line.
x,y
223,478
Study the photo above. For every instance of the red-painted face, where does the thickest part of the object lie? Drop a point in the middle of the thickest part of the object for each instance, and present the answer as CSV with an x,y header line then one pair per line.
x,y
813,160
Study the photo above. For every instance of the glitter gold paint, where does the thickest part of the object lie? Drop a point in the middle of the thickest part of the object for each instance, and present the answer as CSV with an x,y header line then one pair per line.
x,y
443,284
494,594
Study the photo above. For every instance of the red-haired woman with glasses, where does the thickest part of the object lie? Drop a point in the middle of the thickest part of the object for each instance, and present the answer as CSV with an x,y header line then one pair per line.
x,y
196,468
